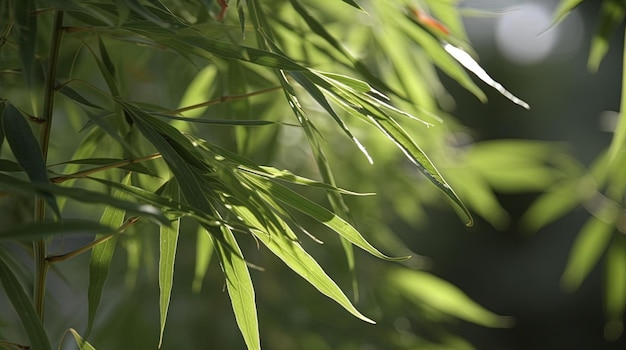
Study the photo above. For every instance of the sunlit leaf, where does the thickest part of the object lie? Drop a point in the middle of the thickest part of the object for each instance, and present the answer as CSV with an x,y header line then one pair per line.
x,y
239,286
468,62
204,252
319,213
590,244
22,304
423,288
168,241
294,256
563,9
612,15
615,303
82,344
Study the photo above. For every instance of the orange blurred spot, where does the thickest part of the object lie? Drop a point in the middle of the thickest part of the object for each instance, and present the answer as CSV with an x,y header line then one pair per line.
x,y
428,21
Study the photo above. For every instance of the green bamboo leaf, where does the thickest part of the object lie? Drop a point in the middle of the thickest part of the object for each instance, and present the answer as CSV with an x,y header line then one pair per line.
x,y
317,94
422,288
134,167
319,213
615,298
167,247
591,242
353,4
38,230
294,256
611,16
12,185
24,308
563,9
204,252
101,257
9,166
618,143
82,344
26,33
394,132
76,96
239,285
26,150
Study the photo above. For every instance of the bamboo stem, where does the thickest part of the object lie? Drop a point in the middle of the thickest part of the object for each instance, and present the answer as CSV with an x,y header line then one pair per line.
x,y
85,173
39,248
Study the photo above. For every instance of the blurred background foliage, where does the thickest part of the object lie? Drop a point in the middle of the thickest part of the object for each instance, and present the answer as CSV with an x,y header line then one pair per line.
x,y
530,178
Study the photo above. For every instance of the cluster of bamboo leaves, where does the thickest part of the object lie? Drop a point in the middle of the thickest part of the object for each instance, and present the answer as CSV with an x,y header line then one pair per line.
x,y
599,189
153,162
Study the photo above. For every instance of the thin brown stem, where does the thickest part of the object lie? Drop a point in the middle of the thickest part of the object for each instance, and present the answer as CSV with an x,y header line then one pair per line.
x,y
62,257
39,248
85,173
221,100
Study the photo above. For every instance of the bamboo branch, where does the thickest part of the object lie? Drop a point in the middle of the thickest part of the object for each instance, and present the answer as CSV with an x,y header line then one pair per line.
x,y
221,100
85,173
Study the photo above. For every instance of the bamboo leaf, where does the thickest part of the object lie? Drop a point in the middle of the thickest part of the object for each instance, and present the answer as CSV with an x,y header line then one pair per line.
x,y
38,230
167,247
423,288
615,298
612,15
144,12
353,4
239,285
82,344
26,33
394,132
563,9
319,213
468,62
204,252
24,308
101,257
591,242
294,256
13,185
26,150
76,96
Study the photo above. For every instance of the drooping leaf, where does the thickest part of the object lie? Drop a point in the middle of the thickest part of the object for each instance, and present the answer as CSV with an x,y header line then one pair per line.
x,y
353,3
563,9
319,213
612,15
204,252
26,150
239,285
294,256
101,257
38,230
12,185
144,12
423,288
76,96
615,297
591,242
168,241
22,304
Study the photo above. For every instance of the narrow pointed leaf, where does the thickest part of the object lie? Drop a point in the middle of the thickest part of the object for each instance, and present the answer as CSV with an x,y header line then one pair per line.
x,y
294,256
615,298
424,288
394,132
76,96
12,185
39,230
319,213
167,253
563,9
612,15
468,62
204,252
23,307
353,4
239,285
590,244
26,150
80,342
101,257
